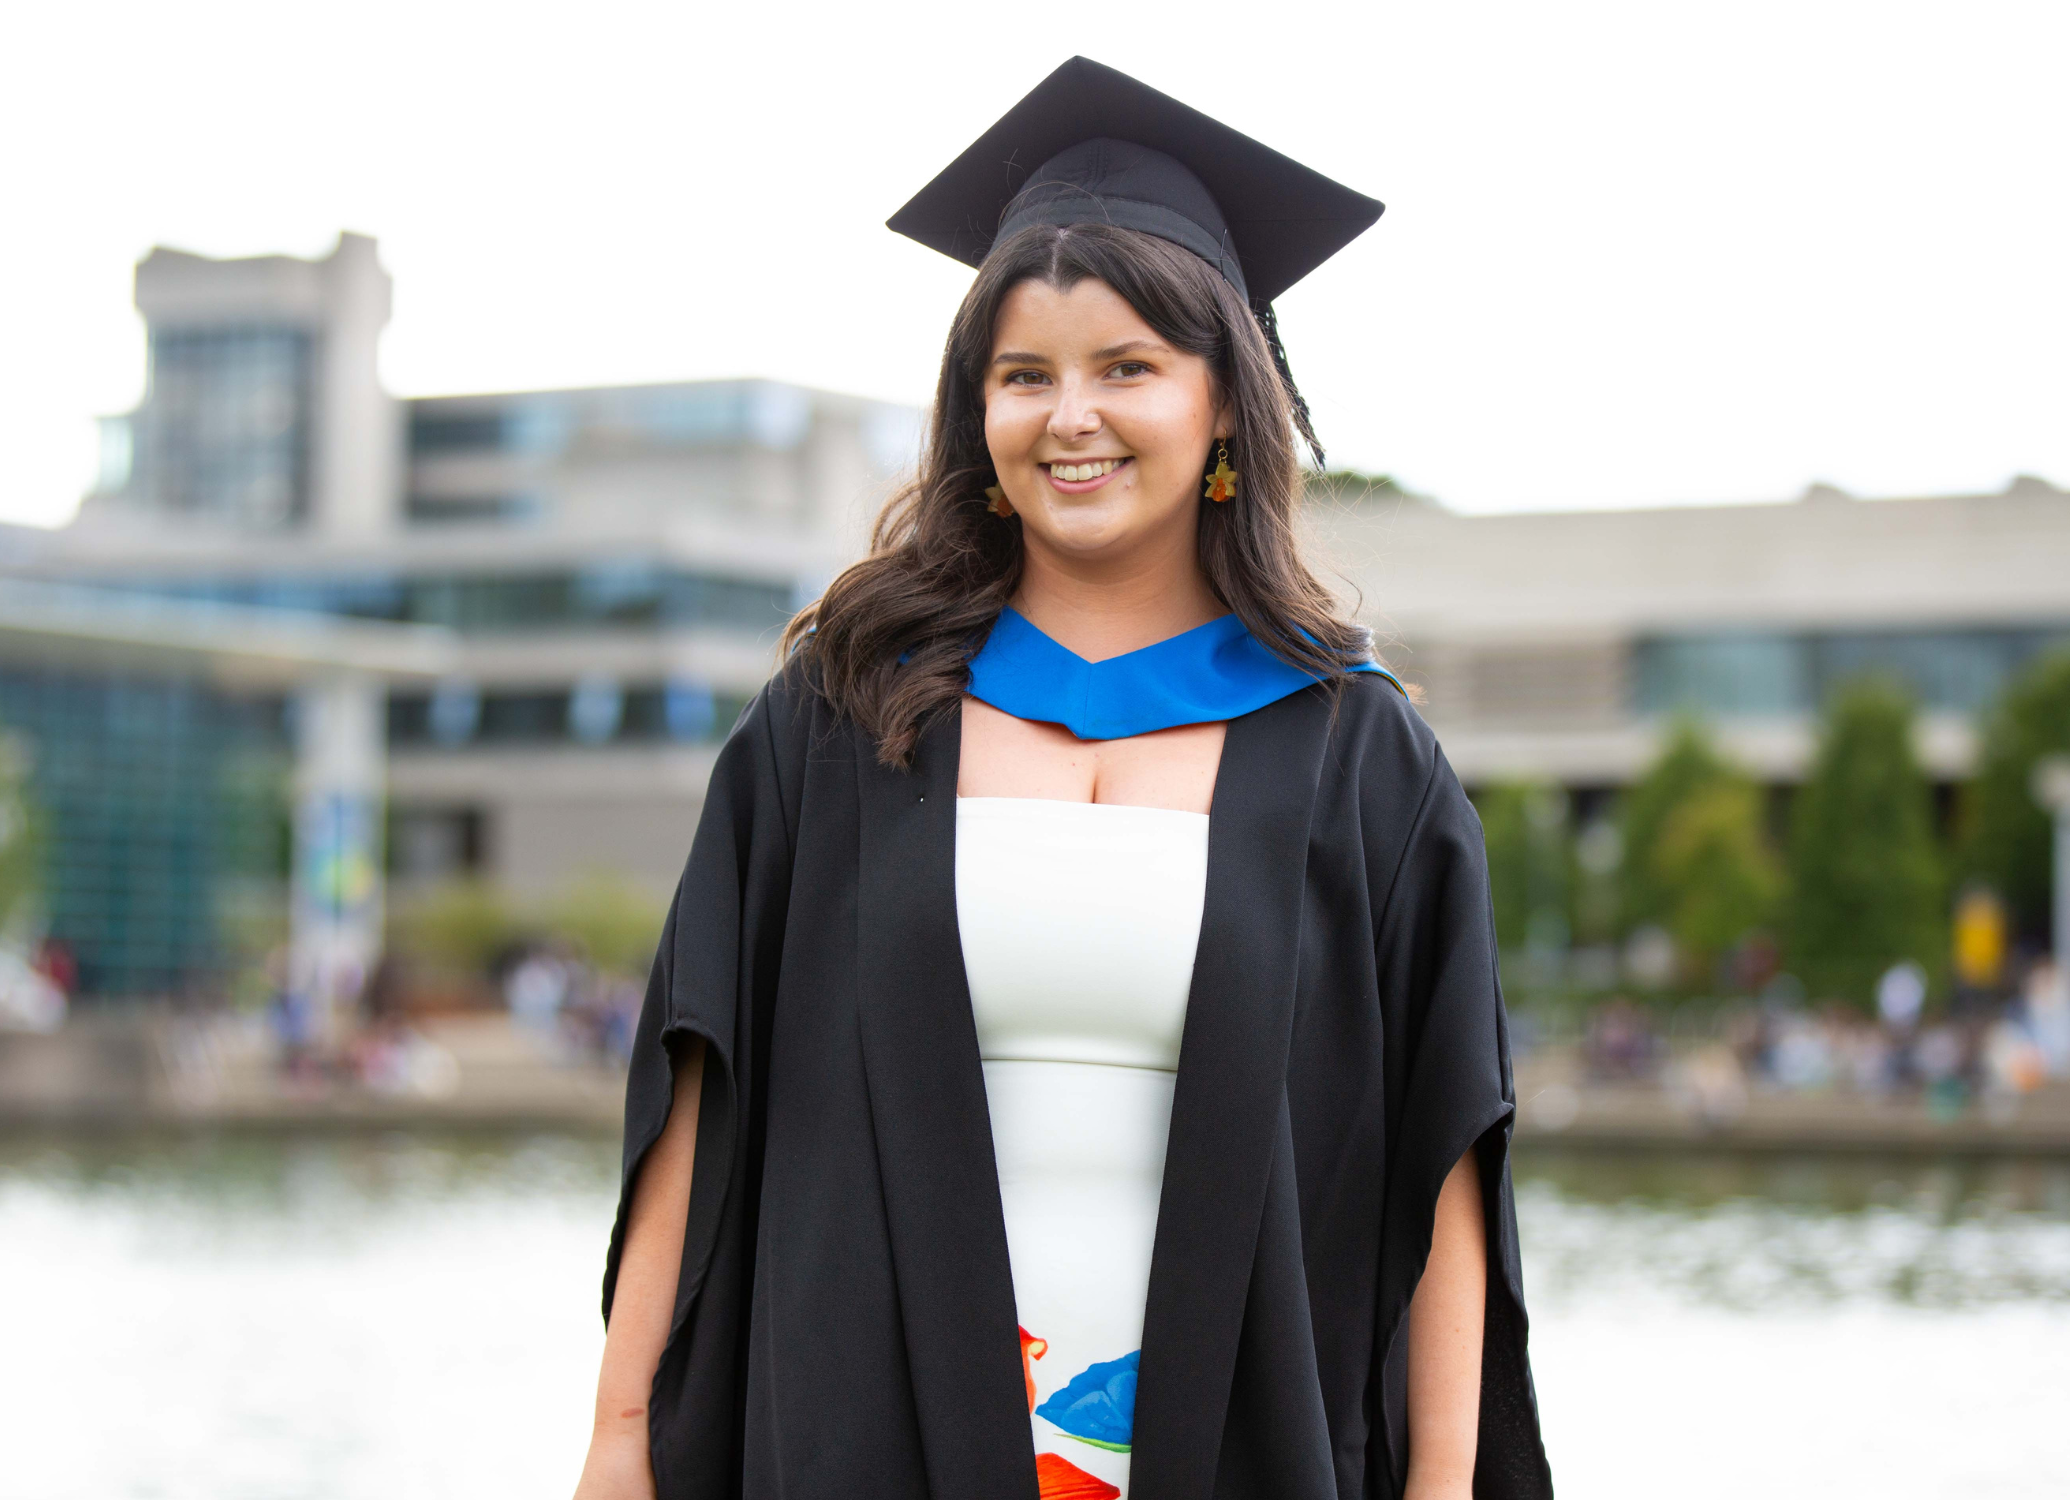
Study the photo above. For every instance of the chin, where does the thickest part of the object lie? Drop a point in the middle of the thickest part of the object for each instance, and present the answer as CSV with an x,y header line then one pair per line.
x,y
1086,528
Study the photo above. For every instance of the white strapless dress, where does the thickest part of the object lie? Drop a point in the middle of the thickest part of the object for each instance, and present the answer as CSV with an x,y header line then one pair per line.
x,y
1079,923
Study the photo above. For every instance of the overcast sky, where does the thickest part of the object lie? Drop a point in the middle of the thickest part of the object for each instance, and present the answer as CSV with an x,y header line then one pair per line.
x,y
1635,252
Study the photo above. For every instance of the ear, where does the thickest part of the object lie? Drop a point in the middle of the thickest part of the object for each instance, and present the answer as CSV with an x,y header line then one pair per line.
x,y
1225,419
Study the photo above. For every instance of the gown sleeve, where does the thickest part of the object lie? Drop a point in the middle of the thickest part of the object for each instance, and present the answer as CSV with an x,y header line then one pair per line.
x,y
714,973
1449,1036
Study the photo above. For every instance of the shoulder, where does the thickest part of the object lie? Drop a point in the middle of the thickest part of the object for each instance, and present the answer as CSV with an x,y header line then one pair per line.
x,y
792,705
789,702
785,723
1390,759
1374,718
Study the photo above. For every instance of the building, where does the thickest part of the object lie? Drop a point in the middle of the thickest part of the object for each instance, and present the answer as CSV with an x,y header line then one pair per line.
x,y
535,614
1558,645
614,564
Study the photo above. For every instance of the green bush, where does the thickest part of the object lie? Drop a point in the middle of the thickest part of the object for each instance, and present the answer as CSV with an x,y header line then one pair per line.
x,y
462,927
1866,878
459,928
614,922
21,839
2005,840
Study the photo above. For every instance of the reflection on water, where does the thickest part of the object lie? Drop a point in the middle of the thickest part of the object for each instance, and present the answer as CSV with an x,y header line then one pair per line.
x,y
1753,1233
324,1186
344,1318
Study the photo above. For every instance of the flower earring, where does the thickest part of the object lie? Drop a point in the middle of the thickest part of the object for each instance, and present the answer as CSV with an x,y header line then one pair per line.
x,y
1000,506
1221,485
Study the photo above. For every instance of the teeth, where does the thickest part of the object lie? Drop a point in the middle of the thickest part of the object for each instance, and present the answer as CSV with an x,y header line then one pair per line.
x,y
1075,473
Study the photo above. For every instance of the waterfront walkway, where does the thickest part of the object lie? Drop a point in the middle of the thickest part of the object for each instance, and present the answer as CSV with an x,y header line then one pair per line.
x,y
162,1071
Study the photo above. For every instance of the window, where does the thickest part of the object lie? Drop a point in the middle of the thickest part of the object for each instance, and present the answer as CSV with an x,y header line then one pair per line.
x,y
165,817
592,712
522,718
228,423
1956,670
1723,674
441,430
1959,670
448,510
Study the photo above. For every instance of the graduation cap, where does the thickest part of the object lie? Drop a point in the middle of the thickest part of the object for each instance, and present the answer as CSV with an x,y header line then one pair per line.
x,y
1092,145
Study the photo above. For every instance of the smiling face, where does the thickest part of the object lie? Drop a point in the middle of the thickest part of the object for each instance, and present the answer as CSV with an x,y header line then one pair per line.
x,y
1098,429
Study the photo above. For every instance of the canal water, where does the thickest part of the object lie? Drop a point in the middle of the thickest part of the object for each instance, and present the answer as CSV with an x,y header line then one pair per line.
x,y
394,1317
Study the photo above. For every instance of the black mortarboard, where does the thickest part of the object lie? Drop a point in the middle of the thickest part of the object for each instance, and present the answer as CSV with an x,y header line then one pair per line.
x,y
1091,145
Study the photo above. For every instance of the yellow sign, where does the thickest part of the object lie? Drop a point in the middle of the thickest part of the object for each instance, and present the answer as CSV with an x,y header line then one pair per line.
x,y
1979,939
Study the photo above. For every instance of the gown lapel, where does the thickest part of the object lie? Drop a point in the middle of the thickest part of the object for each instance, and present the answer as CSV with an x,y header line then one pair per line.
x,y
934,1132
1230,1089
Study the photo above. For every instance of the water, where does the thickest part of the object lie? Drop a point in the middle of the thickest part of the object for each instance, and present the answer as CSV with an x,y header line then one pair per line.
x,y
1718,1327
384,1318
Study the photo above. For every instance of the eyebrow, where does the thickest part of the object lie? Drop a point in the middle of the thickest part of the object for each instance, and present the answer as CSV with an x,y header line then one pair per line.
x,y
1132,346
1112,351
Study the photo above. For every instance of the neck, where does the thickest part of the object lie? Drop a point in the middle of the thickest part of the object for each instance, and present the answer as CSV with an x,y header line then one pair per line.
x,y
1108,607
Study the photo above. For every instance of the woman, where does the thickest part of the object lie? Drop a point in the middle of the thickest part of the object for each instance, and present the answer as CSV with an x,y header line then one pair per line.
x,y
1079,1013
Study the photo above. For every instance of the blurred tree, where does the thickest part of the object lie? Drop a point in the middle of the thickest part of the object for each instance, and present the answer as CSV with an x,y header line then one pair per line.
x,y
1712,867
2005,836
615,922
255,803
1598,863
21,843
1687,768
1866,877
1530,859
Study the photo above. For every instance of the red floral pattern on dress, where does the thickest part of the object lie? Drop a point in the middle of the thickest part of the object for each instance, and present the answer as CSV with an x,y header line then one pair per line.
x,y
1061,1479
1032,1349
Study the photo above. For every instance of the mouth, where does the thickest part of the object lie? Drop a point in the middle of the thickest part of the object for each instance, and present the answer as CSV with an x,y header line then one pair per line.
x,y
1086,475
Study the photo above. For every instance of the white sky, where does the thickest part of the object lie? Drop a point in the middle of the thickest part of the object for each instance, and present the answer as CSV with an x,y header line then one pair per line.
x,y
1635,252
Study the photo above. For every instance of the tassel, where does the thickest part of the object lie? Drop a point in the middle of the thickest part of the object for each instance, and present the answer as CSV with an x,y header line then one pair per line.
x,y
1303,423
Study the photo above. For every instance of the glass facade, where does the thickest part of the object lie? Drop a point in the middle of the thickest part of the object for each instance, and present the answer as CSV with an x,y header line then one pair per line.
x,y
228,419
1754,674
546,424
440,430
450,510
629,593
592,712
164,802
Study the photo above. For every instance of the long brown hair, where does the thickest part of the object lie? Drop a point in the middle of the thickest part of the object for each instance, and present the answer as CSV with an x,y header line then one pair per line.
x,y
890,641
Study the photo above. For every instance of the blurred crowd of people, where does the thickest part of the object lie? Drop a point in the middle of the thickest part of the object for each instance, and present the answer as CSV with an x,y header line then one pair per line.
x,y
571,1010
571,1006
1979,1054
36,986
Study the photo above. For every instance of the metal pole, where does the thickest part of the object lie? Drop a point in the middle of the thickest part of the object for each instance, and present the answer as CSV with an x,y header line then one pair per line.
x,y
339,784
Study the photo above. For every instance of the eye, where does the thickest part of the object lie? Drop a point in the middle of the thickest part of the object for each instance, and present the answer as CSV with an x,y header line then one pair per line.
x,y
1025,377
1128,369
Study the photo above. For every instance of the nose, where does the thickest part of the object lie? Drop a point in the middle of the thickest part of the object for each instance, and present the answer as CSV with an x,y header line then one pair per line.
x,y
1075,417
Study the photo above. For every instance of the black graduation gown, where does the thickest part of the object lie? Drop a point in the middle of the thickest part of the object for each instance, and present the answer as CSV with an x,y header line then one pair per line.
x,y
845,1320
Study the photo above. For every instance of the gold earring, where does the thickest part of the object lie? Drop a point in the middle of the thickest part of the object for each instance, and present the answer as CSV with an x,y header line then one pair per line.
x,y
1221,484
999,506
